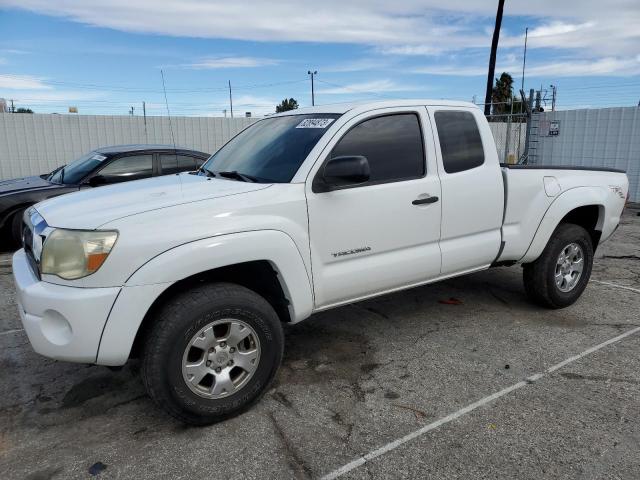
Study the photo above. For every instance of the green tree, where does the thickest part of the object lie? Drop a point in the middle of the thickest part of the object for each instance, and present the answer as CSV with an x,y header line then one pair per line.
x,y
286,105
23,110
502,94
503,97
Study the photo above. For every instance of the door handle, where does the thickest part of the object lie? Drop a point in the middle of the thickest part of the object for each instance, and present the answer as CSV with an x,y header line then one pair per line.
x,y
422,201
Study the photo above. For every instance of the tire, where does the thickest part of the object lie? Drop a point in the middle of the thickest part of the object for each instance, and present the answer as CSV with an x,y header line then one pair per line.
x,y
15,228
198,316
540,276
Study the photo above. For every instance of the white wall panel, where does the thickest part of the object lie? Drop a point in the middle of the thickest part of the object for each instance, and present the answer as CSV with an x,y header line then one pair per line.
x,y
32,144
604,137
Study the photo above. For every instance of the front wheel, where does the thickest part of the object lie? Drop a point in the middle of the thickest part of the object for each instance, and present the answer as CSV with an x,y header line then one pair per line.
x,y
212,352
15,225
561,273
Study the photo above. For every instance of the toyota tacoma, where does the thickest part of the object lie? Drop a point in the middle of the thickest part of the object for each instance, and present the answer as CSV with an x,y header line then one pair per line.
x,y
301,212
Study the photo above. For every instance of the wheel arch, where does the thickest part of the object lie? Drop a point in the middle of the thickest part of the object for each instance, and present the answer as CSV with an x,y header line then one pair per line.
x,y
584,206
267,262
260,276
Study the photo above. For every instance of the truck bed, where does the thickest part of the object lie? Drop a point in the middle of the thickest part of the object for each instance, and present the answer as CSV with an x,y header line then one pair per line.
x,y
531,190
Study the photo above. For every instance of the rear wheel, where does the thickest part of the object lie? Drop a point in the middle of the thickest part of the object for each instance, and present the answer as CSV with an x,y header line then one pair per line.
x,y
212,353
561,273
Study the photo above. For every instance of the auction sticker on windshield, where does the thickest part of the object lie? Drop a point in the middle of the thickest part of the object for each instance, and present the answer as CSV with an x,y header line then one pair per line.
x,y
315,123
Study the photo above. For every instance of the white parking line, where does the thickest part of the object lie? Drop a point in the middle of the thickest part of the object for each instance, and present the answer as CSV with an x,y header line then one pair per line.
x,y
469,408
624,287
16,330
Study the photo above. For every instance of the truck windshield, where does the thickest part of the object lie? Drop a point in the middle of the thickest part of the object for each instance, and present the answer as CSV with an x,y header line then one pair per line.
x,y
270,150
78,169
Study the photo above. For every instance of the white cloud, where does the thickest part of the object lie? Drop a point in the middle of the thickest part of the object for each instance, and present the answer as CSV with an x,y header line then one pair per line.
x,y
258,106
357,66
13,51
595,37
22,82
403,26
231,62
608,66
374,86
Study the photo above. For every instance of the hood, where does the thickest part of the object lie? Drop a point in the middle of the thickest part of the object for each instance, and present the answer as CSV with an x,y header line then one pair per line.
x,y
91,208
25,183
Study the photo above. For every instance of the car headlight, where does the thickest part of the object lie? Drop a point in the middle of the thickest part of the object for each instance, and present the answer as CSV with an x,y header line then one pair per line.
x,y
73,254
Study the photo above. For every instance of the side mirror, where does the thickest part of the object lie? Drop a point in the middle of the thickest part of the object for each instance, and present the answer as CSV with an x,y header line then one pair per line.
x,y
97,181
343,171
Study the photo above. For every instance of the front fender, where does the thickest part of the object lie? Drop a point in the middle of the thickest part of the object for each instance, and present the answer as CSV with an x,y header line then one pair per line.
x,y
147,283
561,206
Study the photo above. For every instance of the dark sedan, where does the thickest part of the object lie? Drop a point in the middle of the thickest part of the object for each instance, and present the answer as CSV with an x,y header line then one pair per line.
x,y
103,166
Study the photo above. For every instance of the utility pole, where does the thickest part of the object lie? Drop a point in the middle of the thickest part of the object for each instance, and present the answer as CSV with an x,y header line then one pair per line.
x,y
230,100
131,111
492,58
144,116
313,96
554,92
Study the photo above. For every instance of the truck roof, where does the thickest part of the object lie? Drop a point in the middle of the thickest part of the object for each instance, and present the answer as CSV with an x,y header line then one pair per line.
x,y
345,107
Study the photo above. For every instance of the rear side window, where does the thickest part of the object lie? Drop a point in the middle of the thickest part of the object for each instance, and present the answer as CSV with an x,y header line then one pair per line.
x,y
460,141
172,163
392,144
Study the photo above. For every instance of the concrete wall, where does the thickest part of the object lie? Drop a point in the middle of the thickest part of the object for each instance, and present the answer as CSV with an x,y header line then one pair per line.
x,y
604,137
31,144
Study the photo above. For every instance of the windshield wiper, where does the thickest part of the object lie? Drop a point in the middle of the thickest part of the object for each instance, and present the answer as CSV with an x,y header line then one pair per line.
x,y
243,177
206,171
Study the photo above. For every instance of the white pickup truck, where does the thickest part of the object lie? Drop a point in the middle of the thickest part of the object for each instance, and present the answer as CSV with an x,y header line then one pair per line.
x,y
301,212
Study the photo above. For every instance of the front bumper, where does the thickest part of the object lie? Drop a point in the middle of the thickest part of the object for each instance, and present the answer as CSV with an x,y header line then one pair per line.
x,y
64,323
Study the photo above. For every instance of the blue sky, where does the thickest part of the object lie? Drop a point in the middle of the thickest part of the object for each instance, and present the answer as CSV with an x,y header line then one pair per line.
x,y
105,58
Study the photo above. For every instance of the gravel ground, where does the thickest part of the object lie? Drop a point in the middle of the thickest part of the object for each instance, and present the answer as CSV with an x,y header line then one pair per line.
x,y
356,379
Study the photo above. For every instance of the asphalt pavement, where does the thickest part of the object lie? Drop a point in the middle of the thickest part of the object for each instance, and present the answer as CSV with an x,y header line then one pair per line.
x,y
460,379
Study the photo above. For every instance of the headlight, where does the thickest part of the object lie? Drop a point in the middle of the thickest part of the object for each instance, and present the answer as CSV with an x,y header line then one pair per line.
x,y
72,254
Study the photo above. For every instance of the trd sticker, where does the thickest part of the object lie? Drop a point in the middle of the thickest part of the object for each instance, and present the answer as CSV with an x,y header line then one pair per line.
x,y
351,252
315,123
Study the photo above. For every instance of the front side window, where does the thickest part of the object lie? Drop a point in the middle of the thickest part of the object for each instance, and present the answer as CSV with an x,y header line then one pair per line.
x,y
460,141
133,167
74,172
392,145
271,150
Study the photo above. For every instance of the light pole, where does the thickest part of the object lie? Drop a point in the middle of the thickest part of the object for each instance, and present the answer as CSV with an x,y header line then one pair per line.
x,y
313,97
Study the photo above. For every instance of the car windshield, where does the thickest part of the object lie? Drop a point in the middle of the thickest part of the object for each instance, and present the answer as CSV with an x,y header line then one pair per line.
x,y
270,150
78,169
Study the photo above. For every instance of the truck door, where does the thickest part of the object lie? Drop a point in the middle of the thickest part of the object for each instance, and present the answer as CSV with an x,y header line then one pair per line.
x,y
472,189
382,234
